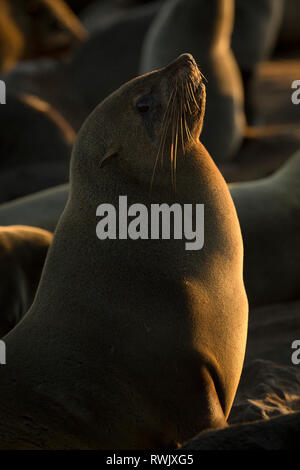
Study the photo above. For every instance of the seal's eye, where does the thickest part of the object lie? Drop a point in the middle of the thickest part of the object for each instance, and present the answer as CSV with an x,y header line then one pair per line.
x,y
144,104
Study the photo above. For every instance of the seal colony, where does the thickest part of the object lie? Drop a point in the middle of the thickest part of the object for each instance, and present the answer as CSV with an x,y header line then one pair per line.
x,y
150,364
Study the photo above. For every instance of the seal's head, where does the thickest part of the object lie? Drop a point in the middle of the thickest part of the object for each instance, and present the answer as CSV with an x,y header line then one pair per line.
x,y
145,124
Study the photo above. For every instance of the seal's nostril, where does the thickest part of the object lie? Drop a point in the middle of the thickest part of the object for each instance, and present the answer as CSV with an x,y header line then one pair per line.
x,y
188,58
191,61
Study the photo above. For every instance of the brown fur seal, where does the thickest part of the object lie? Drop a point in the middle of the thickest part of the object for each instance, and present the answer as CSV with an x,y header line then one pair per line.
x,y
109,58
254,36
22,255
39,156
42,209
269,214
150,363
204,29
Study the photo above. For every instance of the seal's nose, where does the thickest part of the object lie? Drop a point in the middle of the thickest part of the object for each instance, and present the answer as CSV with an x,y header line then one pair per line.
x,y
188,59
184,64
184,60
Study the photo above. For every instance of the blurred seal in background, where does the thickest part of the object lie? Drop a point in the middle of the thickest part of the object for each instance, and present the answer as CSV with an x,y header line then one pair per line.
x,y
35,147
33,28
109,58
269,214
289,35
23,252
42,209
255,33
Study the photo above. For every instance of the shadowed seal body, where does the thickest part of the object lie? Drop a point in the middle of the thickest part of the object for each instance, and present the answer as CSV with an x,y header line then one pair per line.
x,y
22,255
149,364
204,29
269,214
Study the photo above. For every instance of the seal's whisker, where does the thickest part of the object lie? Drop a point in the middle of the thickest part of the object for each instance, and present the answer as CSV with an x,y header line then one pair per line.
x,y
163,136
164,132
174,144
188,97
160,149
175,154
187,100
181,122
185,124
184,97
187,131
202,75
180,105
169,120
172,152
189,91
192,88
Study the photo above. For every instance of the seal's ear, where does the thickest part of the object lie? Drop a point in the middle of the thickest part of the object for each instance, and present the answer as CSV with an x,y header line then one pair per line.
x,y
107,157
